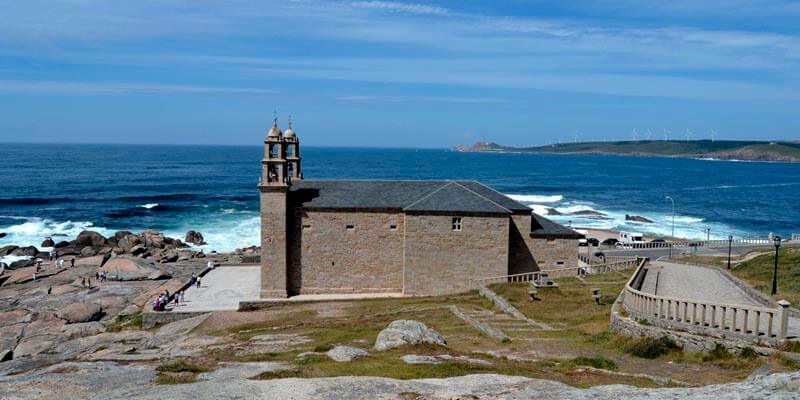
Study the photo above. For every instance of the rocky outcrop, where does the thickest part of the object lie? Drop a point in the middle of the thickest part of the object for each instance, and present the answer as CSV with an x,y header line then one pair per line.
x,y
80,312
636,218
125,268
195,238
48,242
404,332
6,250
346,353
90,238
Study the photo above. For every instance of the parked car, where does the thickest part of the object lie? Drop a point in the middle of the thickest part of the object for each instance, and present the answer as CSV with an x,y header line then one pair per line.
x,y
594,242
610,242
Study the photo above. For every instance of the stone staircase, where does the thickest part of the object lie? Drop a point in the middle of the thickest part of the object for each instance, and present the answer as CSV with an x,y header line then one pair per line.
x,y
512,327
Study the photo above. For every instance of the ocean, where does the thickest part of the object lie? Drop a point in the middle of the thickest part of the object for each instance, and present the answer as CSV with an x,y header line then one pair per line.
x,y
60,190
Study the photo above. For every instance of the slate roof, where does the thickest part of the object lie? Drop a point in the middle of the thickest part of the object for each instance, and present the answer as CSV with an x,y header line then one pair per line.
x,y
543,227
418,196
407,195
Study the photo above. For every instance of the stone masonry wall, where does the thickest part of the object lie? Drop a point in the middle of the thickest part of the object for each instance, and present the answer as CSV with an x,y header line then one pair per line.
x,y
273,243
520,253
439,260
549,252
327,257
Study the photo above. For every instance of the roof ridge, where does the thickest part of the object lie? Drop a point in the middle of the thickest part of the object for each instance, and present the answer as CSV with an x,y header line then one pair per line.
x,y
502,194
482,196
430,194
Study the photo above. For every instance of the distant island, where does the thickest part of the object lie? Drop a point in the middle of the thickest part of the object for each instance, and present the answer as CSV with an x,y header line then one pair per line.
x,y
718,149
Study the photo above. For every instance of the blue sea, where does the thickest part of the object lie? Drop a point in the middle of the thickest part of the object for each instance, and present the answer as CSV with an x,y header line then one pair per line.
x,y
59,190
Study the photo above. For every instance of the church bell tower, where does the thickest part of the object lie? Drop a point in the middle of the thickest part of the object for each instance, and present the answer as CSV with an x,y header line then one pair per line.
x,y
280,165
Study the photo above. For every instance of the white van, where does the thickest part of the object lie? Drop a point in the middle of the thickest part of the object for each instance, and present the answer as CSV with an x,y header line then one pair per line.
x,y
630,238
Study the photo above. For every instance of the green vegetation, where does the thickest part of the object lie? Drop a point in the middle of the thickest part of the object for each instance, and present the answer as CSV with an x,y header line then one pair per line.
x,y
791,346
758,273
651,348
131,322
580,338
596,362
184,366
721,149
175,379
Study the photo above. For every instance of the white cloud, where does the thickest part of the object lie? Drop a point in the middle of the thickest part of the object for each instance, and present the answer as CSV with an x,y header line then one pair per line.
x,y
393,6
91,88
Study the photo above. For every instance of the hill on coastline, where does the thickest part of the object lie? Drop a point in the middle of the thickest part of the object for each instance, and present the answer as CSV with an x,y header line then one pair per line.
x,y
719,149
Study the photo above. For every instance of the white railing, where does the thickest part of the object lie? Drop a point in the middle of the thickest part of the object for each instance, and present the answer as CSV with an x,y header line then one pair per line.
x,y
674,312
617,264
796,237
694,243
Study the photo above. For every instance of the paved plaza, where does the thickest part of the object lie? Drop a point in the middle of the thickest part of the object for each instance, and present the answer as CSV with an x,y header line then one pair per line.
x,y
222,289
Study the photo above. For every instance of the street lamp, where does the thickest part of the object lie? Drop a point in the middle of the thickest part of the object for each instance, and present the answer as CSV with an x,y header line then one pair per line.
x,y
730,243
776,240
673,224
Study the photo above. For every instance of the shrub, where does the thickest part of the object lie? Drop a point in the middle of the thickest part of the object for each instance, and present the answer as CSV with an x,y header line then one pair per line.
x,y
748,352
718,354
596,362
791,346
651,348
323,348
183,366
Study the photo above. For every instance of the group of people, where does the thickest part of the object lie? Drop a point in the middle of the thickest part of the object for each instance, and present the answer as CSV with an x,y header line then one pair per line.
x,y
161,302
60,263
102,276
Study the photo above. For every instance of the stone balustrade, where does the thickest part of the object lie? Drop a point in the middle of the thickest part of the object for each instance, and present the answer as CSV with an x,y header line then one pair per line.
x,y
755,323
619,263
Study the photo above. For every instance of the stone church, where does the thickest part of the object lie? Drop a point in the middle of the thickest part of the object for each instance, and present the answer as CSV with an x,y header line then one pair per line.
x,y
410,237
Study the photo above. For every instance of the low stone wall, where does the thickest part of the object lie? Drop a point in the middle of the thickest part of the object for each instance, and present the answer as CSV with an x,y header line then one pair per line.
x,y
483,327
629,327
151,319
501,303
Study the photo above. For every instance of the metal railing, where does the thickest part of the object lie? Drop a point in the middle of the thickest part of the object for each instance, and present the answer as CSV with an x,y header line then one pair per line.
x,y
716,318
796,237
692,243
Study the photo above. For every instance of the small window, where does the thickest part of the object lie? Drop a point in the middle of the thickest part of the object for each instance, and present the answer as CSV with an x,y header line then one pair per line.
x,y
456,223
393,227
350,227
559,263
306,226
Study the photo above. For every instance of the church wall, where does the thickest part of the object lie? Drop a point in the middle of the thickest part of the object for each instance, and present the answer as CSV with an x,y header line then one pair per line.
x,y
327,257
439,260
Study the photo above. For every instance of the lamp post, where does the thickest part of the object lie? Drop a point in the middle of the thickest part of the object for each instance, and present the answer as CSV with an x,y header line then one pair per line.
x,y
673,224
730,243
776,240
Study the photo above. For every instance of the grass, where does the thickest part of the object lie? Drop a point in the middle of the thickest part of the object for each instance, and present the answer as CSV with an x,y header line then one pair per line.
x,y
184,366
650,348
131,322
596,362
791,346
581,338
758,273
175,379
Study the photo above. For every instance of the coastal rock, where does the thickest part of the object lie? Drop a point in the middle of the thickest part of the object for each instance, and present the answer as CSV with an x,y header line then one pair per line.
x,y
345,353
21,263
48,242
6,250
553,211
80,312
82,329
28,251
87,251
3,234
61,244
138,250
403,332
90,238
588,213
131,269
195,238
153,239
636,218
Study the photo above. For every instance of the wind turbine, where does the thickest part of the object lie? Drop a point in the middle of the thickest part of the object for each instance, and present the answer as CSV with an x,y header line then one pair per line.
x,y
635,135
649,134
576,137
713,135
688,134
666,134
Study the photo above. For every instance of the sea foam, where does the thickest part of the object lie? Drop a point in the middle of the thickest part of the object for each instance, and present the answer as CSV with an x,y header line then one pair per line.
x,y
533,198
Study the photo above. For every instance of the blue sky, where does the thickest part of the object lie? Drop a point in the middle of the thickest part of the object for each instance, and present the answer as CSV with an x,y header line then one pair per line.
x,y
399,74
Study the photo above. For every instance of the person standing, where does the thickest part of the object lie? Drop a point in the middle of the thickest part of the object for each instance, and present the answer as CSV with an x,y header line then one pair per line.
x,y
198,282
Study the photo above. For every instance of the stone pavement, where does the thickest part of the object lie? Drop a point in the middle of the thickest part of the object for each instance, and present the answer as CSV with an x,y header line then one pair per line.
x,y
700,284
222,289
